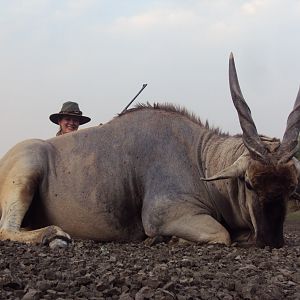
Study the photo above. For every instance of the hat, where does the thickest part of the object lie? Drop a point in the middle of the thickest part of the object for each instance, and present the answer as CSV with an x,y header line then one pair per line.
x,y
69,109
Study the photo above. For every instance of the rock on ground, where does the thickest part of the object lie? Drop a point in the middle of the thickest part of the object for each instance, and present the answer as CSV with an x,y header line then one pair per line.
x,y
90,270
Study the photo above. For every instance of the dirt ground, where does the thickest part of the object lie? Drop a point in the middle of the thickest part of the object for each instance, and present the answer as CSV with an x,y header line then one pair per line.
x,y
89,270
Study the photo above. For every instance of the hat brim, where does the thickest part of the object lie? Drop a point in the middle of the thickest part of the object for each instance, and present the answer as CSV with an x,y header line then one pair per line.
x,y
55,117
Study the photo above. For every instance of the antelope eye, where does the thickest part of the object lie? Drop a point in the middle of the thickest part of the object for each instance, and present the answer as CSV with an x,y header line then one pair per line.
x,y
248,185
292,188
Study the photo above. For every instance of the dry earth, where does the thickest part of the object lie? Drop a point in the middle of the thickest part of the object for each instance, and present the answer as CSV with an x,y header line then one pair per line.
x,y
89,270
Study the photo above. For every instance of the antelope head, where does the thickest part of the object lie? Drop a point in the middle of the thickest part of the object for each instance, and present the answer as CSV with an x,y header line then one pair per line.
x,y
268,173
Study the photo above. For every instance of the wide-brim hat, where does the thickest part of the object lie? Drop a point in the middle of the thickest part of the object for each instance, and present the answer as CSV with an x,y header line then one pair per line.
x,y
69,109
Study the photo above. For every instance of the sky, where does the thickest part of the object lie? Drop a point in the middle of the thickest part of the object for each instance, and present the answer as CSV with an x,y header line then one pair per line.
x,y
99,53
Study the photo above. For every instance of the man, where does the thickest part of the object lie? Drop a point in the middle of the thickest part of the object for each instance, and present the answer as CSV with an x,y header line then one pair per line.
x,y
69,118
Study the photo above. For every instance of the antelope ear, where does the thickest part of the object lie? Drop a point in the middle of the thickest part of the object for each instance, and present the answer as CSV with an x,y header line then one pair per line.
x,y
297,164
237,169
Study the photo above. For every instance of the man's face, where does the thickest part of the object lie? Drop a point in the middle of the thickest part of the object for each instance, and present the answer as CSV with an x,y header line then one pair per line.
x,y
68,124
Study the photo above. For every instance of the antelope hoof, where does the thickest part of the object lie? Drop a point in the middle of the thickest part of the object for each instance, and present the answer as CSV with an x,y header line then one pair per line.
x,y
58,243
55,237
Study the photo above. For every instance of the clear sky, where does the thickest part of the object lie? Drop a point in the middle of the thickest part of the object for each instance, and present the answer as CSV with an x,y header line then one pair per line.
x,y
100,52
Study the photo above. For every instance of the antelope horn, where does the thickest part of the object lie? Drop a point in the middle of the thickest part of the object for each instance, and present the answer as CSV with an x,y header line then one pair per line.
x,y
289,144
251,138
